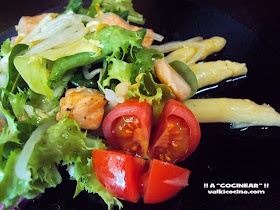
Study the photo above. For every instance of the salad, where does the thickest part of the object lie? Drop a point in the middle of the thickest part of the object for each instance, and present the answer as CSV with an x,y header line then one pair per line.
x,y
88,90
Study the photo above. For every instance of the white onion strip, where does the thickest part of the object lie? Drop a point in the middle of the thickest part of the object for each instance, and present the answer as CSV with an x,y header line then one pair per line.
x,y
58,27
155,36
73,37
21,165
171,46
37,29
93,73
84,18
55,40
198,54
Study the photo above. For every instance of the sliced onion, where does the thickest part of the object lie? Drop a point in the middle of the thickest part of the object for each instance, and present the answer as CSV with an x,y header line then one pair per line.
x,y
37,29
84,18
171,46
155,36
58,27
93,73
55,40
29,109
198,54
21,165
65,17
74,37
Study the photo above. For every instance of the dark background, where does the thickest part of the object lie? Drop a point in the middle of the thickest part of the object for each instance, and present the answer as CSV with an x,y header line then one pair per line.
x,y
224,155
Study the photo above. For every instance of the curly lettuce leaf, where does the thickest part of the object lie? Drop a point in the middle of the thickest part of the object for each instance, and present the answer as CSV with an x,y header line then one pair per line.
x,y
86,180
5,47
120,6
12,188
143,64
119,41
116,6
63,143
119,70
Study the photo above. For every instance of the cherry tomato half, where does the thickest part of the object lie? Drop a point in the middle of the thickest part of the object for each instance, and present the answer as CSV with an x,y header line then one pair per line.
x,y
163,181
128,127
176,134
119,173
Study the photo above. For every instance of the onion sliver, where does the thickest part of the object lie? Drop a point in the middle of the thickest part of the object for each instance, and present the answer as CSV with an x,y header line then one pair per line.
x,y
90,75
198,54
73,37
21,165
171,46
84,18
43,35
155,36
37,29
54,40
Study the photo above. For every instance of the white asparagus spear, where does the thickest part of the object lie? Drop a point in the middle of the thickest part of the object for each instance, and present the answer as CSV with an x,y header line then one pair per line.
x,y
240,112
210,73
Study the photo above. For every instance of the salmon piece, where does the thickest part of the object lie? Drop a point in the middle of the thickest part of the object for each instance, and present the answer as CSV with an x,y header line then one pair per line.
x,y
84,105
27,23
114,19
168,76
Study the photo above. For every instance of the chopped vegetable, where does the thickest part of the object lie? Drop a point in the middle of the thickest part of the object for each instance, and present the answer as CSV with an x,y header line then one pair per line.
x,y
239,112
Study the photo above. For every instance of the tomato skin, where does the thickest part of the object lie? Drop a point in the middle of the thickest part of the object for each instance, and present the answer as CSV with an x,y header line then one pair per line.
x,y
119,173
178,114
142,112
163,181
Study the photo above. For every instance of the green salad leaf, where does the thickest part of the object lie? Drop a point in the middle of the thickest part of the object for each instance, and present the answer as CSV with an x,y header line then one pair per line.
x,y
13,78
187,74
63,143
35,73
116,6
5,47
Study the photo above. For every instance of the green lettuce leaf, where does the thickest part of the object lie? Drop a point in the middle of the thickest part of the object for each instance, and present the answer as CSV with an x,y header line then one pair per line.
x,y
120,6
14,79
119,41
62,143
116,6
187,74
118,69
5,47
35,73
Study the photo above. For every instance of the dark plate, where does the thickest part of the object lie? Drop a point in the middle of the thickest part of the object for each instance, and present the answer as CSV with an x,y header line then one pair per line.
x,y
224,155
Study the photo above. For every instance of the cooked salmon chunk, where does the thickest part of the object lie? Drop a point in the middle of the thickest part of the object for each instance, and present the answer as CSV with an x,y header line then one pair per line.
x,y
84,105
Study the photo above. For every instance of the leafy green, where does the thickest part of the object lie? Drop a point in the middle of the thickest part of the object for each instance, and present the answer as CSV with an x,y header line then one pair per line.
x,y
35,73
12,188
187,74
62,65
63,143
78,79
118,69
119,41
5,47
86,180
144,63
116,6
120,6
14,79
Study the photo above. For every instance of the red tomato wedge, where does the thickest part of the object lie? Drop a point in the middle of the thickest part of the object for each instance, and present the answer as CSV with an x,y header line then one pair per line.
x,y
176,134
163,181
119,173
128,127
